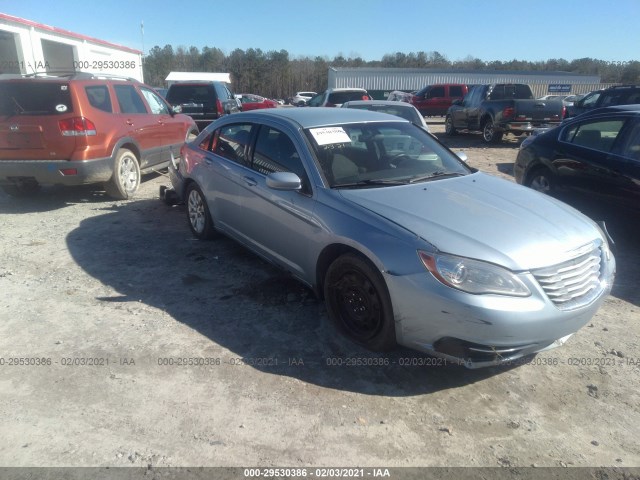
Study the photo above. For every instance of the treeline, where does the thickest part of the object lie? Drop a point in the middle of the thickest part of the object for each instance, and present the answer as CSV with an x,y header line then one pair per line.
x,y
273,74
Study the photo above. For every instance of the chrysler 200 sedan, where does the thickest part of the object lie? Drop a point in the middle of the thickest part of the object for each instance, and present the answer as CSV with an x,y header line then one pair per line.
x,y
406,243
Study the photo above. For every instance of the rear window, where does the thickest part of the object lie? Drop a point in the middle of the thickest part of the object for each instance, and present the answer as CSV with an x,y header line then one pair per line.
x,y
343,97
180,94
34,98
511,91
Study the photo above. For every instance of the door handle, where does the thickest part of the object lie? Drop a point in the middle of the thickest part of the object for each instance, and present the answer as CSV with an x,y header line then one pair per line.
x,y
250,181
129,122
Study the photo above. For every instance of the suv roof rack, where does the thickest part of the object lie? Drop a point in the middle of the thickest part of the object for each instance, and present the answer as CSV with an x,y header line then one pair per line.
x,y
75,75
624,86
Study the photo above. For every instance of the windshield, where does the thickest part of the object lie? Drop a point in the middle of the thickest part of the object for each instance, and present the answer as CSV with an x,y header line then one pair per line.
x,y
378,154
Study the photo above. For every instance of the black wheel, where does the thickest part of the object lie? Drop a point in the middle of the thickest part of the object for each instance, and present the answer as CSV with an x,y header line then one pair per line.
x,y
198,215
540,180
489,134
358,302
126,176
449,129
23,189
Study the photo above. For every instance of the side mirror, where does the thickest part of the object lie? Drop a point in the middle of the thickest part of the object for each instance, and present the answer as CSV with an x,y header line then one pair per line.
x,y
177,109
284,181
458,101
462,156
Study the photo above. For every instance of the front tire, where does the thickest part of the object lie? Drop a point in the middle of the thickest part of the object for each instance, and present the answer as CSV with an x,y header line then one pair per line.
x,y
126,176
198,215
449,129
358,302
489,134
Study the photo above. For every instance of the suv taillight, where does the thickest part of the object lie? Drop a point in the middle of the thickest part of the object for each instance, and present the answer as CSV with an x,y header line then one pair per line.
x,y
219,107
77,127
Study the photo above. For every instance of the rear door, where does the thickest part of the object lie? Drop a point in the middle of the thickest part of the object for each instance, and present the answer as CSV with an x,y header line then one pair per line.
x,y
33,115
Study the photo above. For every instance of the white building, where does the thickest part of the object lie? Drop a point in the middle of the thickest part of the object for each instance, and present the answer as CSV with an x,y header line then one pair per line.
x,y
30,47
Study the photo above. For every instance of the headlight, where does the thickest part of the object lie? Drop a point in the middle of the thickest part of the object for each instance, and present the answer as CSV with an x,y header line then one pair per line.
x,y
473,276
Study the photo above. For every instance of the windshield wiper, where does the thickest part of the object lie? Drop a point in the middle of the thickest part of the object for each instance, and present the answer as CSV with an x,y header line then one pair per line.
x,y
434,175
369,183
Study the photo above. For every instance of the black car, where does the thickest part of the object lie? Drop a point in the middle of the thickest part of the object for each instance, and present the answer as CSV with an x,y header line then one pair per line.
x,y
618,95
596,157
203,101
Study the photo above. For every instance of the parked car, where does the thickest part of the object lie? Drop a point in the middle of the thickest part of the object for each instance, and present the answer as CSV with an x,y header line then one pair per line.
x,y
595,155
400,109
400,96
250,101
82,128
435,100
501,108
203,101
618,95
335,97
301,98
406,243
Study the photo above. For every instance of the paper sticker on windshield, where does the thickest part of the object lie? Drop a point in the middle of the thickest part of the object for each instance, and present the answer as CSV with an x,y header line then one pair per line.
x,y
61,108
330,135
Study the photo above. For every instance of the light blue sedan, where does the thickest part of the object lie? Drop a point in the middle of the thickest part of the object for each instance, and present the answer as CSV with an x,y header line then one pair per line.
x,y
405,242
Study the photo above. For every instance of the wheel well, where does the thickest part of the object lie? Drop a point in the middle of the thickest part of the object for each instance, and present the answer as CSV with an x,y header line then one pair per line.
x,y
484,120
326,258
129,146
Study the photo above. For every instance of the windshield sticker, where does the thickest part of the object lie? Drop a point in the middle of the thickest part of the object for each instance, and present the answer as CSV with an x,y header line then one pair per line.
x,y
61,108
330,135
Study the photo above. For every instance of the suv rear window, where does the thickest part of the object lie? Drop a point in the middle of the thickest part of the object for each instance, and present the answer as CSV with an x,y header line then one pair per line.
x,y
180,94
343,97
34,98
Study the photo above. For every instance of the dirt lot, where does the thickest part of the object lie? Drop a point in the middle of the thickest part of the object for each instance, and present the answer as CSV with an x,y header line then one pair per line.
x,y
101,300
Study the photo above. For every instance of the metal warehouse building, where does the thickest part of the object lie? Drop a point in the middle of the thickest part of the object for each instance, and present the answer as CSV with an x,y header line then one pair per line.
x,y
380,81
30,47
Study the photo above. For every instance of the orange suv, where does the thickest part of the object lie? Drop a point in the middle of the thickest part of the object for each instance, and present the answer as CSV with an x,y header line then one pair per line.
x,y
80,128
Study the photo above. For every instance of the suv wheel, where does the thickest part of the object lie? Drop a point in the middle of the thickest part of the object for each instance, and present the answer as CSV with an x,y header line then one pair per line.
x,y
126,176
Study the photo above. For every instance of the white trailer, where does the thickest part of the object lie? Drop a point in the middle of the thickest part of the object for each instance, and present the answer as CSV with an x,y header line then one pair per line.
x,y
31,47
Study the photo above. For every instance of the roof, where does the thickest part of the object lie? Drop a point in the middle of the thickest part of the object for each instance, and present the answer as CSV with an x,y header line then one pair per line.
x,y
309,117
198,77
41,26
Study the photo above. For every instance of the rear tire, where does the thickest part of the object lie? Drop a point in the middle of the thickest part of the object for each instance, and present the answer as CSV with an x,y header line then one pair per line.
x,y
198,215
541,180
489,134
126,176
358,302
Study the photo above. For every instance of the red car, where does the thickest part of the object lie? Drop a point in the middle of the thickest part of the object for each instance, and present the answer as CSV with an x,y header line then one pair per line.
x,y
254,102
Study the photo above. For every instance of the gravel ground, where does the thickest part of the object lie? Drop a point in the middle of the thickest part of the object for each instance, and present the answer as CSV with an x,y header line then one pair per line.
x,y
106,306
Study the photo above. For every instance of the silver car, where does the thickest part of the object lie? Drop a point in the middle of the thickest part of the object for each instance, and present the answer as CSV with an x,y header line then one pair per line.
x,y
406,243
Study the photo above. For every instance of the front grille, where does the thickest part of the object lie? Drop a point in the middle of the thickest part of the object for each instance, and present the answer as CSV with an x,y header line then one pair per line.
x,y
575,282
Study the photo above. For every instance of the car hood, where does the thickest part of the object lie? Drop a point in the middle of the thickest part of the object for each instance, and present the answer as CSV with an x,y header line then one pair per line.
x,y
483,217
